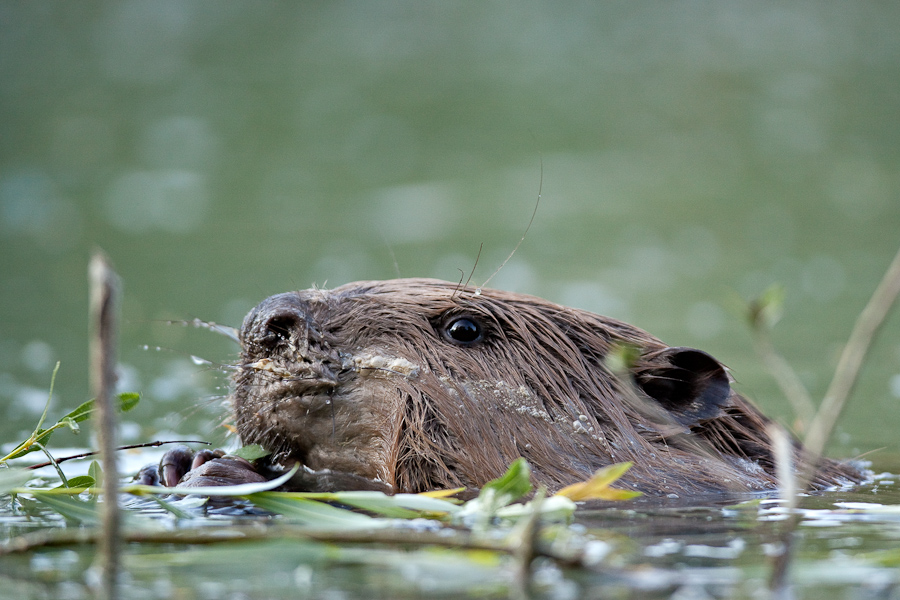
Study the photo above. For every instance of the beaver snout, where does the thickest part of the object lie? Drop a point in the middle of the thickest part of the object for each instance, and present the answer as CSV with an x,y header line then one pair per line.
x,y
282,334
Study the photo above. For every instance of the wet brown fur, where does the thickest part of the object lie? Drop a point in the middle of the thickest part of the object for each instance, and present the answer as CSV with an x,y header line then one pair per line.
x,y
362,380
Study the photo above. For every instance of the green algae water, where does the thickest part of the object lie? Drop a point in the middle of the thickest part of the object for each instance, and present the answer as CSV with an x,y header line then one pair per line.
x,y
688,156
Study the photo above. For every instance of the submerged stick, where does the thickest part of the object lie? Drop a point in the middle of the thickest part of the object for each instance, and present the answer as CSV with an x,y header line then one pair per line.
x,y
103,300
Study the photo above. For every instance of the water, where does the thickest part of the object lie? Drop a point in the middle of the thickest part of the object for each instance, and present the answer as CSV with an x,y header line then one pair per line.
x,y
690,154
845,547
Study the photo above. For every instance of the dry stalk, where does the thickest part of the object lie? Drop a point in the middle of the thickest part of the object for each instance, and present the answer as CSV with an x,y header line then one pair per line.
x,y
104,294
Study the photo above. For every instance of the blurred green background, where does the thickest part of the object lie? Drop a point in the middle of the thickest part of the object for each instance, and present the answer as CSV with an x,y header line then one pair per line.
x,y
693,153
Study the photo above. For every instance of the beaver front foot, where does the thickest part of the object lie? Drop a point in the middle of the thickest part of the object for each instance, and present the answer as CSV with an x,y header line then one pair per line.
x,y
182,467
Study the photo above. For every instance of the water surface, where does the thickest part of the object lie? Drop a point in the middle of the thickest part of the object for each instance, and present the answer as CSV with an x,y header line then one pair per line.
x,y
688,155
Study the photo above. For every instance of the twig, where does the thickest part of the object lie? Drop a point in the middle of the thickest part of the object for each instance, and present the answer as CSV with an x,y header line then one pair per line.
x,y
104,298
155,444
845,375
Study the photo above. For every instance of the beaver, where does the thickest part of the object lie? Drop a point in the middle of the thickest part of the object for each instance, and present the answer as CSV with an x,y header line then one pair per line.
x,y
410,385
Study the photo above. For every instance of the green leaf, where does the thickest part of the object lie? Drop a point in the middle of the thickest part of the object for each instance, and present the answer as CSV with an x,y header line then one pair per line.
x,y
425,503
768,308
27,447
251,452
496,494
83,481
128,400
514,484
81,413
378,503
622,357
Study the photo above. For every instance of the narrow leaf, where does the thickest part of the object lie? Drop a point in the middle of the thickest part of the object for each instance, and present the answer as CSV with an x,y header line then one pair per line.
x,y
82,481
13,478
71,508
33,444
168,506
597,487
442,493
243,489
314,513
375,502
81,413
555,508
426,503
95,471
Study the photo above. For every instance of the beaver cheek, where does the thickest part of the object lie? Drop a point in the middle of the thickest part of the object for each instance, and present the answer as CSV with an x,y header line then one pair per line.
x,y
361,435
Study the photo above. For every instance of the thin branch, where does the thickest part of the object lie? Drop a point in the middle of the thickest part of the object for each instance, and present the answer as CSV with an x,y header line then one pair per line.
x,y
852,358
155,444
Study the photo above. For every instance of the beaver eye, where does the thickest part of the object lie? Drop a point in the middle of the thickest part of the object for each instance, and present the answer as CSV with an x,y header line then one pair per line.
x,y
463,330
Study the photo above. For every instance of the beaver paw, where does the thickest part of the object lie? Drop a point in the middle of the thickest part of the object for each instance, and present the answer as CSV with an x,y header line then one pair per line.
x,y
182,467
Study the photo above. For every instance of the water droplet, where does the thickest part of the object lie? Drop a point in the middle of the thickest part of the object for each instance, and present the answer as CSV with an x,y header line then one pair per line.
x,y
477,291
200,361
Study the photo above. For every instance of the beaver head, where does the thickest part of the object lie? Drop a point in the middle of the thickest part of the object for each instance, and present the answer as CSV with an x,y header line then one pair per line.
x,y
419,385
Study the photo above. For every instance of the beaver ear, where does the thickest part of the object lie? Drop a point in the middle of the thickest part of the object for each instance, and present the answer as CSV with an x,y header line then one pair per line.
x,y
689,383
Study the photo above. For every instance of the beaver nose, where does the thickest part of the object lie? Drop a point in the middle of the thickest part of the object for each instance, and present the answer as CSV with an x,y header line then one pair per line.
x,y
281,325
287,322
276,319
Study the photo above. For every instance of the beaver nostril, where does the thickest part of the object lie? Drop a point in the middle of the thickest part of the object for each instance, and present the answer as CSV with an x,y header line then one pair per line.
x,y
279,327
